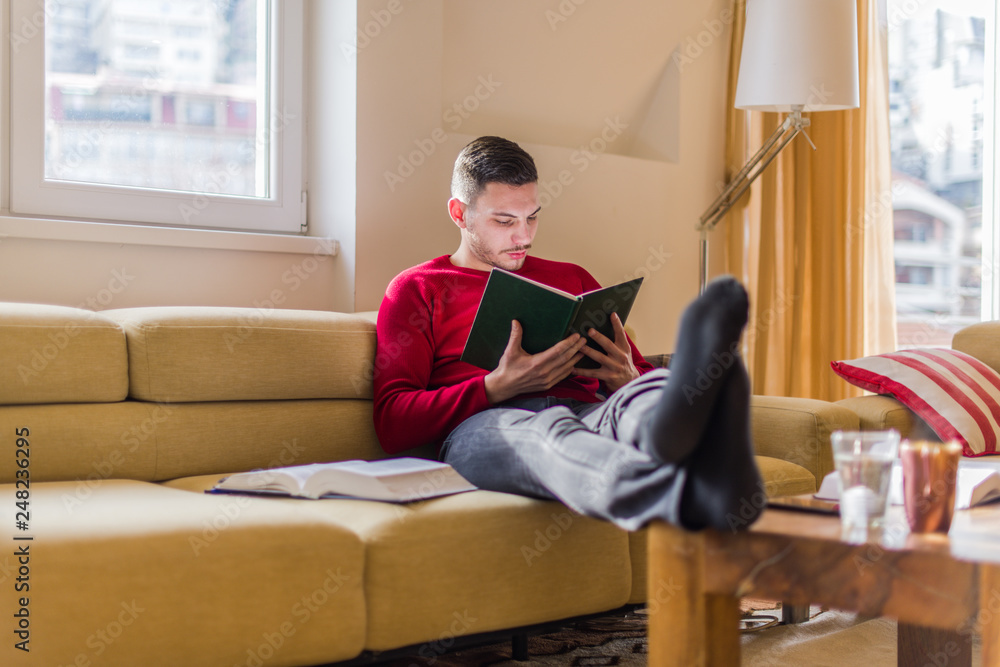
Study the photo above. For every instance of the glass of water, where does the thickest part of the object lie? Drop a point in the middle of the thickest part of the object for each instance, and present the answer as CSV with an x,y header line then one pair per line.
x,y
864,465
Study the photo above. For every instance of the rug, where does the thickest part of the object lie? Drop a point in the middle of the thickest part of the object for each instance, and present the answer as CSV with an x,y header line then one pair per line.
x,y
828,639
612,640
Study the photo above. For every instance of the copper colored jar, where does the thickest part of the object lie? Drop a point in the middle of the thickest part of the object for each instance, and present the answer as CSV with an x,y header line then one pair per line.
x,y
929,473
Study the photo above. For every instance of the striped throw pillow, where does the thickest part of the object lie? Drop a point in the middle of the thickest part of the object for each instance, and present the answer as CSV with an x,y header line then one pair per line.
x,y
955,393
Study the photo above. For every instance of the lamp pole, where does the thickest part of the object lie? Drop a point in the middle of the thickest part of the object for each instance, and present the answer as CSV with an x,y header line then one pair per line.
x,y
793,124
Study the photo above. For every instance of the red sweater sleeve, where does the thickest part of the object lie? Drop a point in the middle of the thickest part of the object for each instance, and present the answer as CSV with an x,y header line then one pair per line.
x,y
409,411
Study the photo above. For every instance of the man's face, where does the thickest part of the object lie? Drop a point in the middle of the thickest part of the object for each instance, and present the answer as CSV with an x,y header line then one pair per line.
x,y
500,225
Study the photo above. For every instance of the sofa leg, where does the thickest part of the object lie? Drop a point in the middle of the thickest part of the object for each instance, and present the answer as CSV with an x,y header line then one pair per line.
x,y
519,646
791,614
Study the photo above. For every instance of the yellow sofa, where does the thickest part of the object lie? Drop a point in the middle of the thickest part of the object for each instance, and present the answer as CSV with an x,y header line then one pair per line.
x,y
114,423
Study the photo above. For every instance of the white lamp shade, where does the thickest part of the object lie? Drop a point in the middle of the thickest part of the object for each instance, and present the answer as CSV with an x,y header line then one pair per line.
x,y
799,53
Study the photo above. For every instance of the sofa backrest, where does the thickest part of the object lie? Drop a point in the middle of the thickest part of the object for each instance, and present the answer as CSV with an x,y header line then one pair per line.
x,y
158,393
55,354
982,341
189,354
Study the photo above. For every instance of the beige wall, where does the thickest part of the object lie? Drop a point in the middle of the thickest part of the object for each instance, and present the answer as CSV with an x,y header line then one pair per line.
x,y
100,276
557,76
628,139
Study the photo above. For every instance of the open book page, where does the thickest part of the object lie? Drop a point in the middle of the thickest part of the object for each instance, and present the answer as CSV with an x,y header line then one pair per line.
x,y
291,480
976,486
384,467
402,479
300,474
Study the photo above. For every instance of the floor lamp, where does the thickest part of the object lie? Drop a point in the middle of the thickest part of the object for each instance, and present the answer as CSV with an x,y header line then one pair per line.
x,y
798,56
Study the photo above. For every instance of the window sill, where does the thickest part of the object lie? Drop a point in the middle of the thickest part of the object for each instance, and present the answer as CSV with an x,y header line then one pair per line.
x,y
12,227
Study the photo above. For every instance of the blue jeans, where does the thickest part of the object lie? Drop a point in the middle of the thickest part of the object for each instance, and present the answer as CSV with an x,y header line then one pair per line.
x,y
583,454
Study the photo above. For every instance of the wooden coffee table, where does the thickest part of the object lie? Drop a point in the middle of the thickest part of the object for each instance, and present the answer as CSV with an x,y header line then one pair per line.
x,y
943,589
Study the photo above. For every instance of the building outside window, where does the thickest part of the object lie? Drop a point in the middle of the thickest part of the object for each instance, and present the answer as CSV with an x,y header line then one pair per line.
x,y
941,68
189,101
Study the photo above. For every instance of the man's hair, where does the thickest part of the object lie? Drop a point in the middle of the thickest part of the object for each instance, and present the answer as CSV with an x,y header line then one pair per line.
x,y
490,160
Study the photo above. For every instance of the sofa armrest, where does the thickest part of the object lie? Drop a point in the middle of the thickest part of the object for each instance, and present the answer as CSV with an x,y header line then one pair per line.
x,y
877,413
798,430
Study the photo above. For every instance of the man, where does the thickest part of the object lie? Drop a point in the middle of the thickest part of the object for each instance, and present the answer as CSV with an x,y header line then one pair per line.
x,y
537,425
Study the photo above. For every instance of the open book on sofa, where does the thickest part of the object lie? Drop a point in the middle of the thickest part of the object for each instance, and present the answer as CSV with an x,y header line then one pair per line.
x,y
402,479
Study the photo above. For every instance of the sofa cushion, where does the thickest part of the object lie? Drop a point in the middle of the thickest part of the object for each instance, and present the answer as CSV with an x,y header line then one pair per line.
x,y
86,443
222,437
473,562
880,413
784,478
798,430
157,441
140,574
955,393
186,354
504,559
980,340
55,354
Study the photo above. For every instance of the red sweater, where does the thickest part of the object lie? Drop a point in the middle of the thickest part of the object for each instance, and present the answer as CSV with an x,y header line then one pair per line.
x,y
422,390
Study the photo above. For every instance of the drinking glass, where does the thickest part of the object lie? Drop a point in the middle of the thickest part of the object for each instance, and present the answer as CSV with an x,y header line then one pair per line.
x,y
864,465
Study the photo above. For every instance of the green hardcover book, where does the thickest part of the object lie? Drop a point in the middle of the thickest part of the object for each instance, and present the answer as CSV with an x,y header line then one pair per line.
x,y
547,316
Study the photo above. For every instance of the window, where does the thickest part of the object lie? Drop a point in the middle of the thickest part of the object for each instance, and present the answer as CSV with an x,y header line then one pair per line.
x,y
914,275
143,51
201,112
942,65
185,113
914,226
193,55
189,31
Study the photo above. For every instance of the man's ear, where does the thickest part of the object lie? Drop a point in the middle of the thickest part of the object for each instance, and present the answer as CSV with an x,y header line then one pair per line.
x,y
456,209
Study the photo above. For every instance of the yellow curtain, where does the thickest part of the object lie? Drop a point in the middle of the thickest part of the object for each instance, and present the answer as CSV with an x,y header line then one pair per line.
x,y
813,240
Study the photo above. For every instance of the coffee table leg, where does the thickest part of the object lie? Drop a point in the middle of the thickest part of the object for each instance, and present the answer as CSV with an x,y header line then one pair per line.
x,y
723,630
686,625
988,621
918,646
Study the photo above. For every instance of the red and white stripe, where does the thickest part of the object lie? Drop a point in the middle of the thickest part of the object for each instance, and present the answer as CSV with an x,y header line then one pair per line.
x,y
955,393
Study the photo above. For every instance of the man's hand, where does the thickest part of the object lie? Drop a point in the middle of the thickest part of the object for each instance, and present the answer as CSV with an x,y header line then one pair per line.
x,y
522,373
616,368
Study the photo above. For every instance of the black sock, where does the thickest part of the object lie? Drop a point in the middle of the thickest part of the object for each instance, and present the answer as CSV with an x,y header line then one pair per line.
x,y
724,489
706,352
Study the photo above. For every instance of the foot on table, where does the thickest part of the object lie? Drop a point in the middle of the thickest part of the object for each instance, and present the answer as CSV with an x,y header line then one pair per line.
x,y
704,358
723,484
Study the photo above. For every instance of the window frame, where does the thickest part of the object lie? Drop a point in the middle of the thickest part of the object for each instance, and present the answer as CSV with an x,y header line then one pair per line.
x,y
283,211
990,283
